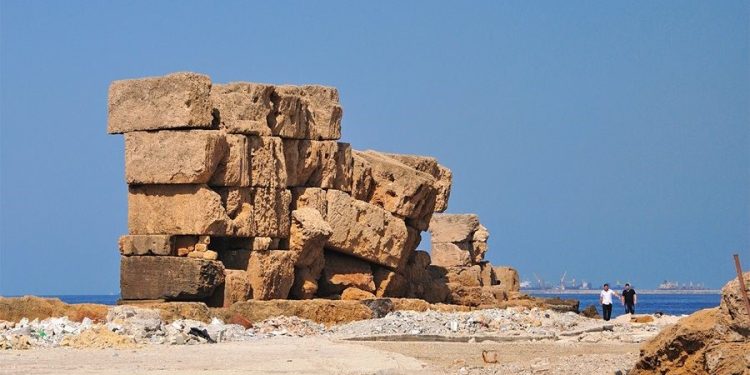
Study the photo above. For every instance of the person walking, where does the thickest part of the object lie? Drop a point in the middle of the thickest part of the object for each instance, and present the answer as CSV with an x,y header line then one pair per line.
x,y
629,299
605,298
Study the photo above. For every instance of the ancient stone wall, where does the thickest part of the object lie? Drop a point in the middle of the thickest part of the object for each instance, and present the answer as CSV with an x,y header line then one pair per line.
x,y
243,191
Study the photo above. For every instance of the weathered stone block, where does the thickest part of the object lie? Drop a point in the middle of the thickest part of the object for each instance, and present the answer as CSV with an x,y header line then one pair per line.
x,y
172,157
236,288
153,244
271,212
466,276
169,278
488,276
366,231
271,273
507,278
322,111
267,163
465,295
234,168
176,209
175,101
243,107
326,164
448,254
310,197
389,283
342,271
307,236
305,284
443,176
355,294
362,183
453,227
398,188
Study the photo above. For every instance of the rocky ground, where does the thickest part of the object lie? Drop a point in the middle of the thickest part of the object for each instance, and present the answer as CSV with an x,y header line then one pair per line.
x,y
514,340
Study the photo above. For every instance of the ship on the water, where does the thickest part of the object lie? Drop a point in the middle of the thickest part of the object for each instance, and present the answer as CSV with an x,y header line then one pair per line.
x,y
674,285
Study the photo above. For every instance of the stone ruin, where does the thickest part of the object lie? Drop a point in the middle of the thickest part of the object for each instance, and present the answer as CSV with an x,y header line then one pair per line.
x,y
242,191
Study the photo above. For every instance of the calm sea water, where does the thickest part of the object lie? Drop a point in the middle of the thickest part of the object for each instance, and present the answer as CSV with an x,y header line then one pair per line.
x,y
672,304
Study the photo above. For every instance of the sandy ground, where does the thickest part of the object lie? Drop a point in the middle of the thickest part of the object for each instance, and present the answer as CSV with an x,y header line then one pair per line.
x,y
316,355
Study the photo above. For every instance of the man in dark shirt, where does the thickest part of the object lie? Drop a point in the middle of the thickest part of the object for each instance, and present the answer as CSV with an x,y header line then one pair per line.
x,y
629,299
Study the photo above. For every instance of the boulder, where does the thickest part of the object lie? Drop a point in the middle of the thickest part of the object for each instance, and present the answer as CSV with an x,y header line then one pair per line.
x,y
466,276
320,111
453,227
352,293
325,164
172,157
234,168
150,244
733,304
507,277
398,188
176,209
443,176
448,254
366,231
243,107
271,274
465,295
267,163
174,101
168,278
342,271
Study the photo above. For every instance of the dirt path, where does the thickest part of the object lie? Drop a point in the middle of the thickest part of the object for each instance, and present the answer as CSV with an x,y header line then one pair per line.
x,y
323,356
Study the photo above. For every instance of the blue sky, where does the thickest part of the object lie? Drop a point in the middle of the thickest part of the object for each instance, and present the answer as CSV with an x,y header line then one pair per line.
x,y
607,140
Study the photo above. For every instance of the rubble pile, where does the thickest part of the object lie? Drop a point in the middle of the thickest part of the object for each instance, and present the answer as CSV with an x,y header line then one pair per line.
x,y
243,191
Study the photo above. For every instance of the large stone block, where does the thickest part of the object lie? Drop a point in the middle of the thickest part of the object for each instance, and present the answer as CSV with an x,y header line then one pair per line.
x,y
243,107
453,227
176,209
236,288
389,283
398,188
152,244
507,278
488,275
325,164
362,183
342,271
448,254
271,274
443,176
267,163
309,197
175,101
307,236
366,231
321,109
169,278
234,168
172,157
271,212
466,276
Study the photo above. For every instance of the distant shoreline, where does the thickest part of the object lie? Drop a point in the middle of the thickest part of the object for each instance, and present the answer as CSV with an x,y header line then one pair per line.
x,y
639,291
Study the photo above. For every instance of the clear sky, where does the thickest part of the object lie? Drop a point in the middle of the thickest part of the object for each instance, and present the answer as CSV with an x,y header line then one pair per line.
x,y
607,140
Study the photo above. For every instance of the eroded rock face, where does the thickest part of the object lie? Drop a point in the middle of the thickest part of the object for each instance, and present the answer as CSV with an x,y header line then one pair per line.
x,y
174,101
172,157
156,244
448,254
320,110
169,278
314,198
308,235
443,176
234,168
325,164
389,283
236,288
267,163
733,304
453,227
366,231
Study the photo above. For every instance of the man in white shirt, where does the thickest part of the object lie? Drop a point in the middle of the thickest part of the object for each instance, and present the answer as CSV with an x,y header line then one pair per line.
x,y
605,298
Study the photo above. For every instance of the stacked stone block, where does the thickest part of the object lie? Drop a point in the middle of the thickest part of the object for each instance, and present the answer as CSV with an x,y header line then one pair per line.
x,y
243,191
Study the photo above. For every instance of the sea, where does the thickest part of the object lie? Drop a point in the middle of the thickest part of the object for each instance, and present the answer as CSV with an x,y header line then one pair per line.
x,y
665,303
670,304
